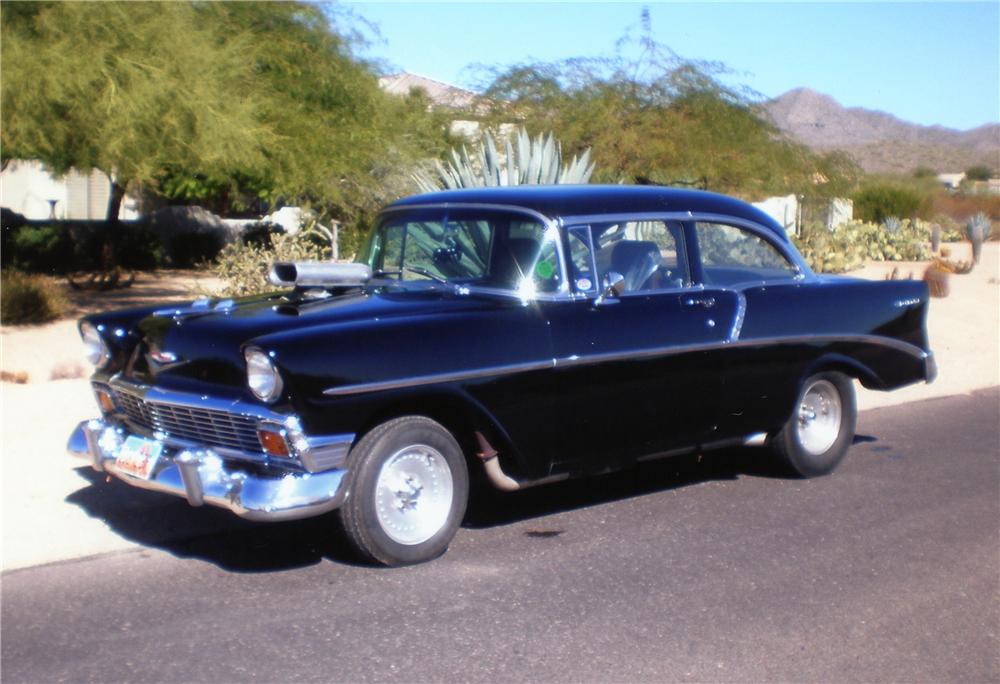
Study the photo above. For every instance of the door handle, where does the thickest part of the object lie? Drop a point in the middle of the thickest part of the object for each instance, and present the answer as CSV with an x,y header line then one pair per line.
x,y
703,302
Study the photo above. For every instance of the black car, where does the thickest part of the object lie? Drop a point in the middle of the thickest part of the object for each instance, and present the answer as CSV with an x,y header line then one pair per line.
x,y
535,333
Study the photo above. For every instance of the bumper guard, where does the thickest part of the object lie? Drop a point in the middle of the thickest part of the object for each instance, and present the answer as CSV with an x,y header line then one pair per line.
x,y
201,476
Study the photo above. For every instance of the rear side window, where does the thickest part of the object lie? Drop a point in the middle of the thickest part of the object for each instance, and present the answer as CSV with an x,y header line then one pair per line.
x,y
730,255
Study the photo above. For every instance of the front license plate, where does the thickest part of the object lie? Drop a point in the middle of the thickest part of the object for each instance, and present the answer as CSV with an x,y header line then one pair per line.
x,y
138,456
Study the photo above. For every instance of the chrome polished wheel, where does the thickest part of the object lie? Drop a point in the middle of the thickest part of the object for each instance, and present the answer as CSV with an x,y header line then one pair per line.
x,y
413,494
819,417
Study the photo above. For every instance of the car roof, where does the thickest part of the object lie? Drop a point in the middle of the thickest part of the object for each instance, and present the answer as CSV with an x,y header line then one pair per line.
x,y
590,200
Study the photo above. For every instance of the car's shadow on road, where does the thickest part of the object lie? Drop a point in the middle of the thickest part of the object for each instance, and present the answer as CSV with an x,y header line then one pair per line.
x,y
492,508
216,536
207,533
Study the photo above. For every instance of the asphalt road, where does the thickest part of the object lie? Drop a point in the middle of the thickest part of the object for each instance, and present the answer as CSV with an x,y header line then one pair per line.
x,y
692,569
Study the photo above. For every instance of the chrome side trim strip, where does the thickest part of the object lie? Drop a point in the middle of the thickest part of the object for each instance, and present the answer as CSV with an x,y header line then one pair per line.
x,y
608,357
741,312
438,378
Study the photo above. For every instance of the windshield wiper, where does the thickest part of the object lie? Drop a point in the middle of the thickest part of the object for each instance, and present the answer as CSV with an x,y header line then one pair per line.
x,y
412,269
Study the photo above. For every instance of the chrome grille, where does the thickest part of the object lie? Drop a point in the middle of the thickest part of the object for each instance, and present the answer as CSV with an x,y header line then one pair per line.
x,y
206,426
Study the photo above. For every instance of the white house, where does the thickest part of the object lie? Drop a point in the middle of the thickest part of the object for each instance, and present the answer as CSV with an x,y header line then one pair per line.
x,y
29,189
951,180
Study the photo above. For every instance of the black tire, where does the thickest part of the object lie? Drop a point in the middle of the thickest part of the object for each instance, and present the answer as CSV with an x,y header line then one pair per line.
x,y
811,454
395,468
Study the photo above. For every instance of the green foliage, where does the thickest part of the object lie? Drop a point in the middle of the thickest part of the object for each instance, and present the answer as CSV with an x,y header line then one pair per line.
x,y
924,172
526,161
657,118
129,88
230,101
43,249
135,247
849,246
243,265
978,173
193,248
60,250
879,201
892,224
29,299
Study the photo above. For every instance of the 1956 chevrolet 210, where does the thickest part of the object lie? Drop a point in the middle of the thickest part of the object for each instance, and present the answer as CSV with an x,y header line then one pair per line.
x,y
533,333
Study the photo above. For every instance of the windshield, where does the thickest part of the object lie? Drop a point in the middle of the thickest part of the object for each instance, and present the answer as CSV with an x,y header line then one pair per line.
x,y
471,247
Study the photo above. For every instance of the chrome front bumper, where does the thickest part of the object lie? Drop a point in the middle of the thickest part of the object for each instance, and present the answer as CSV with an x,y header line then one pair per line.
x,y
201,476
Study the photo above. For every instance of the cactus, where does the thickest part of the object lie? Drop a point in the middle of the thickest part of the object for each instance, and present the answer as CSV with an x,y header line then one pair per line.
x,y
935,237
937,281
526,162
977,230
892,224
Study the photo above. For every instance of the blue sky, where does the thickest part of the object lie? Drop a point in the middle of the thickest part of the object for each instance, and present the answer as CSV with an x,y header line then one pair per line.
x,y
930,63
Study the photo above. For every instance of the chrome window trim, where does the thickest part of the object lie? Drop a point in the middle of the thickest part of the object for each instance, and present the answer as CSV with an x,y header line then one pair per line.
x,y
570,224
630,355
550,224
786,248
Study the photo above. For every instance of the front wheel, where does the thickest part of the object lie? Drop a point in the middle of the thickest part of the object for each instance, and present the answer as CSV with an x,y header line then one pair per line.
x,y
409,488
821,428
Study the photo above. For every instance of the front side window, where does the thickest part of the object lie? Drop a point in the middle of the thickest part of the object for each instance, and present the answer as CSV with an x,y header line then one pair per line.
x,y
476,248
648,254
730,255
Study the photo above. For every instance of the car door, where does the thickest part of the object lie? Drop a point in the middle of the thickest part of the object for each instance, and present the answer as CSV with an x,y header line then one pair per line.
x,y
760,381
637,373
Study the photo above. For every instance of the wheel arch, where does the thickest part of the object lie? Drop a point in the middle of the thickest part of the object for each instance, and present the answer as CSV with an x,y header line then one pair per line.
x,y
459,414
847,365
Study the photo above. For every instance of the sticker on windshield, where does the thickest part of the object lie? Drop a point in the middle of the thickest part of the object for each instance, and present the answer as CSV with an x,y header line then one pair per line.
x,y
544,270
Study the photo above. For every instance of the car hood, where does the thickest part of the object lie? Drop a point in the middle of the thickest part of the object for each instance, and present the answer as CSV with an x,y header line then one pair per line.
x,y
199,347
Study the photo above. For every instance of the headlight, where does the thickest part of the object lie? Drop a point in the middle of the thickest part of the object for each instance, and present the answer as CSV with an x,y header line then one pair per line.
x,y
262,377
94,348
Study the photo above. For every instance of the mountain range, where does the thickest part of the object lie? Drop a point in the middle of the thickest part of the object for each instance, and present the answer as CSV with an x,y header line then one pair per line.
x,y
878,141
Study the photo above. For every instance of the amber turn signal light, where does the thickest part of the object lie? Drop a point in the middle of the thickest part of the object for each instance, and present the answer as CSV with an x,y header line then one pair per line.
x,y
273,442
105,401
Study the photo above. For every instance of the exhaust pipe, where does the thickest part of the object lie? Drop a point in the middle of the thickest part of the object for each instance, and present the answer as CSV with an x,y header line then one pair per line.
x,y
318,273
498,478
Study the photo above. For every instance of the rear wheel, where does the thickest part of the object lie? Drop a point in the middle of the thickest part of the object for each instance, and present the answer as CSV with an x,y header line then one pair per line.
x,y
409,488
821,428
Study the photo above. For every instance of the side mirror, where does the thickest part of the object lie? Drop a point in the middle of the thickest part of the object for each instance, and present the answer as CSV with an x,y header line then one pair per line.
x,y
614,286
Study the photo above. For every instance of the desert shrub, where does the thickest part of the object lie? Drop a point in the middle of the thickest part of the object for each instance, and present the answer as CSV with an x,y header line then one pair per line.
x,y
978,173
876,203
28,298
849,246
192,247
132,247
243,266
260,234
960,206
43,249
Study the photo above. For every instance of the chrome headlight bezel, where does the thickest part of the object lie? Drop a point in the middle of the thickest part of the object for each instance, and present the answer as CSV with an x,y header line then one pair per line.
x,y
95,349
263,377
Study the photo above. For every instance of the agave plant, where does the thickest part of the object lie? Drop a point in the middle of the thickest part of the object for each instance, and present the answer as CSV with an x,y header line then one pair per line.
x,y
977,230
526,161
892,224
